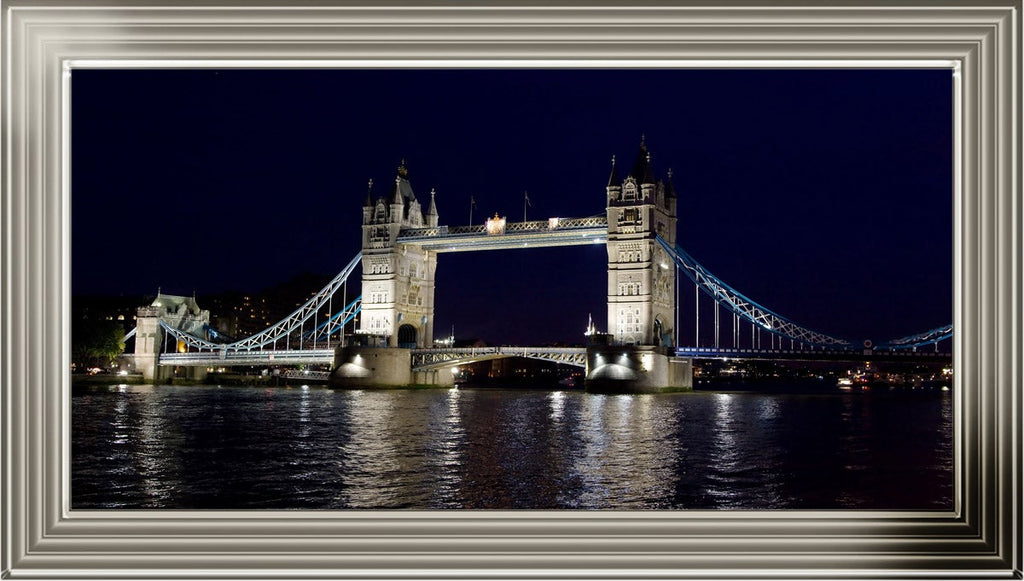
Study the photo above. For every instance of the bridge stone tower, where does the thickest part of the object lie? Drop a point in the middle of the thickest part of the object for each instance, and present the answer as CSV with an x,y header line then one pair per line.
x,y
398,280
178,312
641,276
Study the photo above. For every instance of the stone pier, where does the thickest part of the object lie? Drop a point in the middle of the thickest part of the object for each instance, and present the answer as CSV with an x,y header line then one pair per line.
x,y
357,367
636,369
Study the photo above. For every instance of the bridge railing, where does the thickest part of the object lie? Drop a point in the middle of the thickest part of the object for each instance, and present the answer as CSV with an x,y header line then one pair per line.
x,y
438,356
281,357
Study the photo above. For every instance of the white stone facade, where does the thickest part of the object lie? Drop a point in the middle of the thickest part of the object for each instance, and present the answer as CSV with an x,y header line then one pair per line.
x,y
398,280
641,276
178,312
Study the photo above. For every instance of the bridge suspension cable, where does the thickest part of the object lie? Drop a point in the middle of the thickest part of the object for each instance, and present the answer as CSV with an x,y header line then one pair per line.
x,y
932,336
744,308
332,324
280,330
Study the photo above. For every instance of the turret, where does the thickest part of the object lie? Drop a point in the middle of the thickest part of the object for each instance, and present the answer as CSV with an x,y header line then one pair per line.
x,y
642,171
397,202
368,204
644,174
614,185
432,211
670,194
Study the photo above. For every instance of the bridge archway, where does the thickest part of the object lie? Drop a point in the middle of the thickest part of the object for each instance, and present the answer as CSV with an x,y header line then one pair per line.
x,y
407,336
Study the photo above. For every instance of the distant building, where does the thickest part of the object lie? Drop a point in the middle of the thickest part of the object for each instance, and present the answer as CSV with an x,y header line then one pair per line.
x,y
119,308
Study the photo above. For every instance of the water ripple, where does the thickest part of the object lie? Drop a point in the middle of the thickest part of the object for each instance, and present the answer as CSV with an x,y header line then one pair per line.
x,y
208,447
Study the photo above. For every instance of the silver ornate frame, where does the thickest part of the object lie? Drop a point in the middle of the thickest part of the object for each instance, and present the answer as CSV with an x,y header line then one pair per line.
x,y
43,40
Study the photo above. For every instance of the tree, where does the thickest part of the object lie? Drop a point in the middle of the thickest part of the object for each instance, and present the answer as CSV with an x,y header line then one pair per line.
x,y
96,343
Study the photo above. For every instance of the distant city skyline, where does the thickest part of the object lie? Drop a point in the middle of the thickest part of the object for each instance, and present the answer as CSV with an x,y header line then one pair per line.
x,y
823,195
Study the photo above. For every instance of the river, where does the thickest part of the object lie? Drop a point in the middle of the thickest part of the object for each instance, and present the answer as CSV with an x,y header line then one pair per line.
x,y
208,447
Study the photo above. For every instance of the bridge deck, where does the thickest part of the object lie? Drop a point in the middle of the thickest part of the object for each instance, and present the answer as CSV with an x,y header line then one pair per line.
x,y
421,358
814,355
222,358
432,358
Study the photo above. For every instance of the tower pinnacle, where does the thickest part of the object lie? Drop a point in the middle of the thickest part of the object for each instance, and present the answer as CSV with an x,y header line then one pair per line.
x,y
432,209
642,171
613,177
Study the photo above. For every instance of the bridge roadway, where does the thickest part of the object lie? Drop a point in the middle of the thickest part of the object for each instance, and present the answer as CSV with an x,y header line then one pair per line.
x,y
852,355
422,359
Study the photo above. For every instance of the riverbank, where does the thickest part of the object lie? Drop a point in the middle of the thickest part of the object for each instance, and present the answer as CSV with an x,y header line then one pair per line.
x,y
106,379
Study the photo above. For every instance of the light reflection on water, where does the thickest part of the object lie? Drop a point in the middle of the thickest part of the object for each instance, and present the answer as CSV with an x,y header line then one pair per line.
x,y
211,447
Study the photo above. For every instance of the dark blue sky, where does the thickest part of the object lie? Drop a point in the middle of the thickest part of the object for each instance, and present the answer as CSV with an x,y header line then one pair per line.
x,y
823,195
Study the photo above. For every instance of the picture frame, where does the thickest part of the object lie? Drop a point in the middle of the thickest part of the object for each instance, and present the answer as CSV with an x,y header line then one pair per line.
x,y
44,41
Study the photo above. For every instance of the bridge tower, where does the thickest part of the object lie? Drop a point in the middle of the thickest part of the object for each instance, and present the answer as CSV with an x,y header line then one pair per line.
x,y
641,276
178,312
398,279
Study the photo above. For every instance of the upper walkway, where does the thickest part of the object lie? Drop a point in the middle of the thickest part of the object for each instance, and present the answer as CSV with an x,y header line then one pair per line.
x,y
495,235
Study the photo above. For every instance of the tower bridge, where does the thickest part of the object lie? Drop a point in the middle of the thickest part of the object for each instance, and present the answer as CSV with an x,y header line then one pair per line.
x,y
400,245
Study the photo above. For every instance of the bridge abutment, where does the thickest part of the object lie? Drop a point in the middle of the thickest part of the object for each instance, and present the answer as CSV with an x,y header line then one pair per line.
x,y
636,369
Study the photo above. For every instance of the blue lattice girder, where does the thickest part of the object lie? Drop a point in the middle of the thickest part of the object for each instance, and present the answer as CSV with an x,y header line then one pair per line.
x,y
280,330
929,337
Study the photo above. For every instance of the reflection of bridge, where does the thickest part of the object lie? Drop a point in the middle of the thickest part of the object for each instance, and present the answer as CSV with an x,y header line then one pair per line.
x,y
395,306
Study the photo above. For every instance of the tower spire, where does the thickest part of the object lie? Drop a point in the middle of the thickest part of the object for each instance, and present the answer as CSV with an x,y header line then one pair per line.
x,y
369,195
613,178
397,198
432,209
642,171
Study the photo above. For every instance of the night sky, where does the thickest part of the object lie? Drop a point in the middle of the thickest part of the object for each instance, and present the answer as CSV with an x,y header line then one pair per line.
x,y
823,195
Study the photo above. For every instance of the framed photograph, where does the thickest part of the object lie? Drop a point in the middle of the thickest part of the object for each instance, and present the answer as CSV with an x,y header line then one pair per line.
x,y
970,56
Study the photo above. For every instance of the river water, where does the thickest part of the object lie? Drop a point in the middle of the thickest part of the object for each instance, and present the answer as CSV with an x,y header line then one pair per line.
x,y
313,448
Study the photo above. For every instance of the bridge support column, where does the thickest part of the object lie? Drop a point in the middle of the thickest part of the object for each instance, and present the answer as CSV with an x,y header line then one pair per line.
x,y
357,367
636,369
